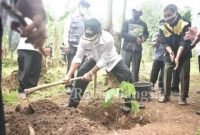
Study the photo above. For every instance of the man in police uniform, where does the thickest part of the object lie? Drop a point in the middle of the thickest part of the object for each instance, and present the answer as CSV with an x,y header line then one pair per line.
x,y
178,52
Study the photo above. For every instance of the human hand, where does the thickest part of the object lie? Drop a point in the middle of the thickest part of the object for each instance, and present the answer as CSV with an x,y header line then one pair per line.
x,y
87,76
67,78
67,49
35,32
191,34
140,40
176,60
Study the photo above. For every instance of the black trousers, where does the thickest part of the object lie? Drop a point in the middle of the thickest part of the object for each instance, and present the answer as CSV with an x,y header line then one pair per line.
x,y
175,81
29,63
70,57
121,71
157,69
2,120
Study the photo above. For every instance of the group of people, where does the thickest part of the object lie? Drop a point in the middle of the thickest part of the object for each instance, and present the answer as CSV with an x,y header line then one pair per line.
x,y
85,38
172,53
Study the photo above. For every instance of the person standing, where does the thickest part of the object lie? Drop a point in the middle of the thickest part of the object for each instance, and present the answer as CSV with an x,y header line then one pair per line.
x,y
194,36
134,32
73,30
158,63
178,52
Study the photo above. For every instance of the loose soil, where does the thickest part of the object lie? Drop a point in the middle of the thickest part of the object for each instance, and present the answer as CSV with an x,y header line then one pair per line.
x,y
51,118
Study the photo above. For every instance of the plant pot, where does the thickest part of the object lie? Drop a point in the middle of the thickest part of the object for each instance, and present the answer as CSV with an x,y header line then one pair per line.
x,y
143,90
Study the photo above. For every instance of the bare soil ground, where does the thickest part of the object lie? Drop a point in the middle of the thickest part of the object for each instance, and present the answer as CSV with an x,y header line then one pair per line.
x,y
51,118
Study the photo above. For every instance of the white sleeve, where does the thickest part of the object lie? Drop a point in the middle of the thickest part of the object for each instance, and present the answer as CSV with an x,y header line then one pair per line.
x,y
106,56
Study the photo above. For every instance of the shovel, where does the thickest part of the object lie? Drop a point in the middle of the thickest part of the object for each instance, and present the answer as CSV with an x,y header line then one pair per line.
x,y
30,109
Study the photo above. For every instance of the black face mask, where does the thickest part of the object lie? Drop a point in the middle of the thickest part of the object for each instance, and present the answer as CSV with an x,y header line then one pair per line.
x,y
172,20
135,16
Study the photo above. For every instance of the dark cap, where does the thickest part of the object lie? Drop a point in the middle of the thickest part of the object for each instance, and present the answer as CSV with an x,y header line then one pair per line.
x,y
92,28
137,11
84,3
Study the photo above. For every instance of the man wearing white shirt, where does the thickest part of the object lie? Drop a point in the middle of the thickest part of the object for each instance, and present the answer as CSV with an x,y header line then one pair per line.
x,y
29,63
99,45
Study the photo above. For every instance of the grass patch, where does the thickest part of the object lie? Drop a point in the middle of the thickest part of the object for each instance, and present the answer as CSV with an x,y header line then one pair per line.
x,y
10,98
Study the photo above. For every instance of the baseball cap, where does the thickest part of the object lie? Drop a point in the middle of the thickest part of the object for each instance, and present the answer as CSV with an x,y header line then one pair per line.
x,y
91,29
137,10
84,3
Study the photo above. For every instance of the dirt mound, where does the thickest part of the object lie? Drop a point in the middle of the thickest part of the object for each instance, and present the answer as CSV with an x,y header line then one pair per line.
x,y
48,119
112,118
51,119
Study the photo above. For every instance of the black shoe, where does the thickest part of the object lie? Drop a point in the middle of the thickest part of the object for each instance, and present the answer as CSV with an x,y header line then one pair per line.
x,y
68,89
175,93
71,104
198,112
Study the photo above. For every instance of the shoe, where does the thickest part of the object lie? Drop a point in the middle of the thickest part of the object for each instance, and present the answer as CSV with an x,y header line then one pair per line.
x,y
71,104
182,101
22,95
68,89
163,99
175,93
125,109
198,112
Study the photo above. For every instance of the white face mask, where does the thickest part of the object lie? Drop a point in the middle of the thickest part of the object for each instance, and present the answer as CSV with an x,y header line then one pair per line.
x,y
89,42
82,10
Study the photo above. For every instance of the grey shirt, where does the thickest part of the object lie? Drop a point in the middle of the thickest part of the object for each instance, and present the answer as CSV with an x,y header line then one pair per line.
x,y
159,50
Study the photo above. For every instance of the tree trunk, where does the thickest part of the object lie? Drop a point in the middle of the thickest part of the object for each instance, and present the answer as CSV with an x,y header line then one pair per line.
x,y
108,26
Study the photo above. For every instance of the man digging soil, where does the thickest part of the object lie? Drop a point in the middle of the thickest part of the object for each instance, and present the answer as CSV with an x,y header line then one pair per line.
x,y
99,46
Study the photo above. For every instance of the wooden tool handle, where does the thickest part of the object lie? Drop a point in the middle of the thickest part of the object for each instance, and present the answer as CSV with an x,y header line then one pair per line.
x,y
30,90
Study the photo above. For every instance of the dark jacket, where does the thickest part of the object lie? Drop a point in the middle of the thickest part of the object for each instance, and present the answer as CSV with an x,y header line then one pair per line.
x,y
174,38
130,31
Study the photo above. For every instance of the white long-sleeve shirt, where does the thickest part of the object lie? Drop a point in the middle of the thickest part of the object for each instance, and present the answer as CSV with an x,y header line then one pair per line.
x,y
104,52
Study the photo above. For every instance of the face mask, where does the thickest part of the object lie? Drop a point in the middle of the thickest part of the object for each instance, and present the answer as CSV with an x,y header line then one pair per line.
x,y
135,16
83,10
89,42
171,20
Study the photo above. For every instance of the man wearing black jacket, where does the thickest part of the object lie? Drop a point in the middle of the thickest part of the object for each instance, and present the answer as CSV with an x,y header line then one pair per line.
x,y
178,52
134,32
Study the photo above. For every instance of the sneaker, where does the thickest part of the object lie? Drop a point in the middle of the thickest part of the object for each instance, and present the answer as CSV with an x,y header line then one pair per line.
x,y
163,99
68,89
71,104
125,109
22,95
182,101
